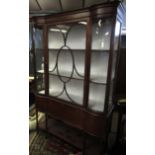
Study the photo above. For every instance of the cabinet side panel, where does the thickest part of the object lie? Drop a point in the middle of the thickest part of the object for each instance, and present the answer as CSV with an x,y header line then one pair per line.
x,y
41,103
95,125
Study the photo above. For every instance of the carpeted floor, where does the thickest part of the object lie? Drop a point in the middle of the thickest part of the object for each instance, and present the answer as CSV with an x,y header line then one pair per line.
x,y
43,143
50,145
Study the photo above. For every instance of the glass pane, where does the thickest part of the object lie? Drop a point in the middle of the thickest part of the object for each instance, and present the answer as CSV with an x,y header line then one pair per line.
x,y
65,62
40,82
55,38
66,45
96,97
39,60
38,36
31,62
30,36
39,57
77,36
99,66
101,36
74,89
100,50
116,43
55,86
70,91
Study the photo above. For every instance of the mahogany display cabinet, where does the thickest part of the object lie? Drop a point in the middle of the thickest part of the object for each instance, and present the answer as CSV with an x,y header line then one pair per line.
x,y
76,55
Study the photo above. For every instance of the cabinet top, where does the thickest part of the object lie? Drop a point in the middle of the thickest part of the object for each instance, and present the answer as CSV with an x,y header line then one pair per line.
x,y
99,10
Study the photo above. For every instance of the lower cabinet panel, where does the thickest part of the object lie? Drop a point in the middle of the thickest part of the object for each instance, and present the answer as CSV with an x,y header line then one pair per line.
x,y
66,113
54,109
41,103
94,124
73,115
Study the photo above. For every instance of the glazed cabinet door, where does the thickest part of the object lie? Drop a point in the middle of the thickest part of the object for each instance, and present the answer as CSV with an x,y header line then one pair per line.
x,y
100,50
67,47
39,60
115,58
31,55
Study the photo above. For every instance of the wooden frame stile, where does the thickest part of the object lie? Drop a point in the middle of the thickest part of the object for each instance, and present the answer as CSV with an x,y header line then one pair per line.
x,y
120,18
117,63
87,74
37,110
108,114
87,62
34,56
45,46
110,66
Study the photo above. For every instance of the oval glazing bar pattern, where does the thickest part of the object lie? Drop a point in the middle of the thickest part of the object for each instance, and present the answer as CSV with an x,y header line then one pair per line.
x,y
67,51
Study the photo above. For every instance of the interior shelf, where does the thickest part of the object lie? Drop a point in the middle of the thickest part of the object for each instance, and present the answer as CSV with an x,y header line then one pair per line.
x,y
66,75
40,71
78,50
42,92
93,78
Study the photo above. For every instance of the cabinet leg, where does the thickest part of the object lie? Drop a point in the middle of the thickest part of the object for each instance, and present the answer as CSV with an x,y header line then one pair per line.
x,y
105,141
46,125
120,115
37,123
84,144
46,122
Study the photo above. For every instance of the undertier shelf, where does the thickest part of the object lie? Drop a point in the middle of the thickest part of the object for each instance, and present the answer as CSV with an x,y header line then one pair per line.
x,y
71,135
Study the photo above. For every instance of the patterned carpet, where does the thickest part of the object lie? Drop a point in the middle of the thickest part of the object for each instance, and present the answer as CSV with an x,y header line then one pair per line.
x,y
42,145
47,144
